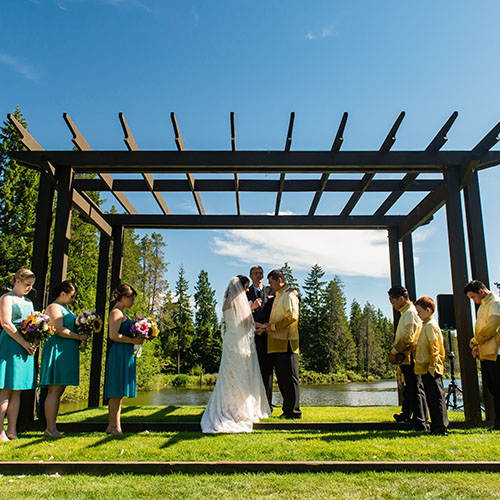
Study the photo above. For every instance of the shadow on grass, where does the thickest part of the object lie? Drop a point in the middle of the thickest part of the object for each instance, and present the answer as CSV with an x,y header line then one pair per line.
x,y
111,437
180,437
162,414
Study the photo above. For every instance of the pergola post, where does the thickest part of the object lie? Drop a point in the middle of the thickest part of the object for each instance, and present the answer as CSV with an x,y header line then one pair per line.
x,y
100,305
477,253
409,267
39,265
459,277
62,228
117,258
395,265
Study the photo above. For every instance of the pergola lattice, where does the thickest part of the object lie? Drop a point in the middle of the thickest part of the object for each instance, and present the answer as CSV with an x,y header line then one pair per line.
x,y
457,170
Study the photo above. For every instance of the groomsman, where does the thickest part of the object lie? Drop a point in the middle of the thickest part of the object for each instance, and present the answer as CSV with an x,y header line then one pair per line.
x,y
485,344
261,298
403,351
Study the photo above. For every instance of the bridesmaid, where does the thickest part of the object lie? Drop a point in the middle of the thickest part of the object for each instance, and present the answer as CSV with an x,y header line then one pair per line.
x,y
17,365
119,380
60,365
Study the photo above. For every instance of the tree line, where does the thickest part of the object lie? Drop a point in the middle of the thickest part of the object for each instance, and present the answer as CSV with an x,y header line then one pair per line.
x,y
332,341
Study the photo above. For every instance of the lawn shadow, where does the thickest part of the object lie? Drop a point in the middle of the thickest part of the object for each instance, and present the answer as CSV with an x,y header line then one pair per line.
x,y
181,437
111,437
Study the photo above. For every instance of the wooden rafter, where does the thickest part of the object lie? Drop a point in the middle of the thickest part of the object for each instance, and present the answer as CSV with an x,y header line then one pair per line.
x,y
368,177
288,145
233,148
337,143
82,145
132,146
435,145
190,177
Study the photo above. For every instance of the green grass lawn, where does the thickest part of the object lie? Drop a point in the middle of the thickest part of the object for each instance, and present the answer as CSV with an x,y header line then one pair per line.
x,y
259,446
193,414
390,486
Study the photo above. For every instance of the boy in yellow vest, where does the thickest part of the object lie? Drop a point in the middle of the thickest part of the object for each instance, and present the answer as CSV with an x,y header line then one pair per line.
x,y
429,363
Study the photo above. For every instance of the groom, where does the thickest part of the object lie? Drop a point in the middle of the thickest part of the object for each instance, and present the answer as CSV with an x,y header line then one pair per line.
x,y
261,298
283,342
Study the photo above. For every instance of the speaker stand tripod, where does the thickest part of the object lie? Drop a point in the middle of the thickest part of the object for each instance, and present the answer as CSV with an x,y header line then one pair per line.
x,y
453,388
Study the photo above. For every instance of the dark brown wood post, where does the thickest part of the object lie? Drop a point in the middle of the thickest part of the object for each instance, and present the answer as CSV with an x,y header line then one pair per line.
x,y
62,227
100,305
39,265
477,253
116,267
409,267
395,265
117,258
459,278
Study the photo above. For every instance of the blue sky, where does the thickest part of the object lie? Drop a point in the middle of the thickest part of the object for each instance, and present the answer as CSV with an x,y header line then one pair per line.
x,y
262,60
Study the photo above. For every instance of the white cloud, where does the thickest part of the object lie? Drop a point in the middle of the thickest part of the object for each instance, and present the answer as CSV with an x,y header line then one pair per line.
x,y
344,252
326,32
19,67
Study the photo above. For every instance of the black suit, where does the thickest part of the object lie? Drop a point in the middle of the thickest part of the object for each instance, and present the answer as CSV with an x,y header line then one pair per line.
x,y
261,315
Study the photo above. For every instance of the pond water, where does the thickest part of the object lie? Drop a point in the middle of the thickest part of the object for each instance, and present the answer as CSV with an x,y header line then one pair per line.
x,y
382,393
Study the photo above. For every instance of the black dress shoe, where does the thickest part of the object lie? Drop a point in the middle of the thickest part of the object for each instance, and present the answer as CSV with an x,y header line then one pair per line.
x,y
284,415
401,417
439,433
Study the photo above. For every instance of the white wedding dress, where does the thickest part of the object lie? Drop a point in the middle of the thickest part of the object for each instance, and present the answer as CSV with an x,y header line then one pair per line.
x,y
238,399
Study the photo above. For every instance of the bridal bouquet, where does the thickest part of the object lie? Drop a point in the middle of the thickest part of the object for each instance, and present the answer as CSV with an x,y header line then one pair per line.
x,y
36,328
144,328
88,323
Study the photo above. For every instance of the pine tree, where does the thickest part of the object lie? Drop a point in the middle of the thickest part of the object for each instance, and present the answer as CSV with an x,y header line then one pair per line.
x,y
18,198
289,278
207,344
355,325
183,321
341,349
313,322
370,353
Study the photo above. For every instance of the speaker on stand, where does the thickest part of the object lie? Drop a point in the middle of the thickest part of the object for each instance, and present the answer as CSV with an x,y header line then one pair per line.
x,y
446,317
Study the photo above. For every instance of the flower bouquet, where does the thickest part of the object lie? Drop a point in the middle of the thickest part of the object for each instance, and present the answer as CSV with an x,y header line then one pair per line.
x,y
88,323
36,328
144,328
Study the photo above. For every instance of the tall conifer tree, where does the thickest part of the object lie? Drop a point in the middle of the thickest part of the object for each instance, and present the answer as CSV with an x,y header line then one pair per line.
x,y
18,198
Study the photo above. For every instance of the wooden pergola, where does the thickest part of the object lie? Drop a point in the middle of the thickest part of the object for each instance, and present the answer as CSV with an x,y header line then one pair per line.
x,y
457,171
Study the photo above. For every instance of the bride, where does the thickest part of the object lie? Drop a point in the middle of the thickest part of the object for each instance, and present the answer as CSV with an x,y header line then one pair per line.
x,y
239,398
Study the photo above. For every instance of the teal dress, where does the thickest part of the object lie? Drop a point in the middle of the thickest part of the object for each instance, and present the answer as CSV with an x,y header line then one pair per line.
x,y
60,363
17,367
119,380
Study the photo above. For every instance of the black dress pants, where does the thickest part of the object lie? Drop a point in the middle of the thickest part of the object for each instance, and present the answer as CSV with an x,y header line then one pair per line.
x,y
286,366
265,364
434,394
491,375
416,396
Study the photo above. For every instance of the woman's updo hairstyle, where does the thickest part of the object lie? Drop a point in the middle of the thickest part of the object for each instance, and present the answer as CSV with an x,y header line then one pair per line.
x,y
64,286
22,274
243,280
121,291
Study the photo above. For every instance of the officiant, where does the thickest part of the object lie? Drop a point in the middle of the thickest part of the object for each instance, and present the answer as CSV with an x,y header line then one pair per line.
x,y
261,300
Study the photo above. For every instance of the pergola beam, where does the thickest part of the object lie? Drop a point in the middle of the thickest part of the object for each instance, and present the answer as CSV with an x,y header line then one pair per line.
x,y
337,143
422,213
368,177
288,145
260,185
82,145
254,161
190,177
132,146
254,221
91,212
